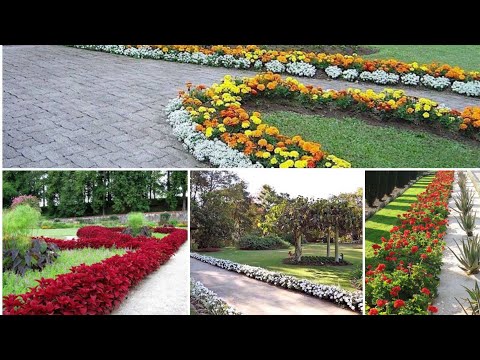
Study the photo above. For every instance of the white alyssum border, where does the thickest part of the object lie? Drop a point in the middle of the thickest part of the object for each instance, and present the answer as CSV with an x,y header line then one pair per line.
x,y
297,68
352,300
203,149
210,300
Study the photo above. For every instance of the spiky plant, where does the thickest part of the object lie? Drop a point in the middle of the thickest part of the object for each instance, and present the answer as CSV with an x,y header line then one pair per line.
x,y
467,222
464,201
469,254
462,180
473,300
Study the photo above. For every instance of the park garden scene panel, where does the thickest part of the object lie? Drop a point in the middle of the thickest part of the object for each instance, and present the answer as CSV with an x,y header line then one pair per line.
x,y
95,243
276,245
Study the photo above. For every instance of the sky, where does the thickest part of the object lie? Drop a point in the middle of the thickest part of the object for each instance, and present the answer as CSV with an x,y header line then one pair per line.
x,y
315,183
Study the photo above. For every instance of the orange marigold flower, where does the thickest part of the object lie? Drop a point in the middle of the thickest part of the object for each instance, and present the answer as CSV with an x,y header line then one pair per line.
x,y
272,85
261,87
262,142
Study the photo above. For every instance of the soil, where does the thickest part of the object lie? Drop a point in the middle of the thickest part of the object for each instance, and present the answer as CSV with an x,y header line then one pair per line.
x,y
144,231
329,111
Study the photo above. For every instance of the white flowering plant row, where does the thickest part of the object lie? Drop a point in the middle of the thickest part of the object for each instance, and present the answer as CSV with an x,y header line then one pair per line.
x,y
203,149
352,300
297,68
209,300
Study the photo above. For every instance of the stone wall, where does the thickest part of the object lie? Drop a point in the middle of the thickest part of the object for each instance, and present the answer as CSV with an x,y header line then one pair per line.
x,y
181,216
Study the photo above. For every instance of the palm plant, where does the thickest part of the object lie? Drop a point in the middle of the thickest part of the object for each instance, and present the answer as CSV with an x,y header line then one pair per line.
x,y
469,256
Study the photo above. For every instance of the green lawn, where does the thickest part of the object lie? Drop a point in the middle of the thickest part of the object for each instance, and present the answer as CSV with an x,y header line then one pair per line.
x,y
272,260
55,233
368,146
380,224
465,56
16,284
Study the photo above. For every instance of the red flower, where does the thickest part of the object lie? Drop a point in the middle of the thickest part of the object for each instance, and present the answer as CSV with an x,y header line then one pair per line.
x,y
426,291
373,311
381,267
423,256
414,249
376,246
429,249
381,303
432,309
398,304
395,290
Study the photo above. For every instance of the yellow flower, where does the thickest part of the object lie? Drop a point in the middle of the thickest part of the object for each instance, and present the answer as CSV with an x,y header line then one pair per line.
x,y
248,132
256,120
426,115
208,132
294,154
206,116
266,155
300,164
222,128
328,164
245,124
314,96
277,150
273,161
219,102
202,109
287,164
427,107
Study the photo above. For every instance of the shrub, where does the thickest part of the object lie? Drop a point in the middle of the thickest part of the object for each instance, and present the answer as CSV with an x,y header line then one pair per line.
x,y
29,200
473,300
135,221
316,261
37,257
17,226
164,218
254,242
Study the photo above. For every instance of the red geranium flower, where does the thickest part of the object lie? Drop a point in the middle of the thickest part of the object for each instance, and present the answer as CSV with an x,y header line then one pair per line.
x,y
425,291
381,267
398,304
381,303
373,311
432,309
414,249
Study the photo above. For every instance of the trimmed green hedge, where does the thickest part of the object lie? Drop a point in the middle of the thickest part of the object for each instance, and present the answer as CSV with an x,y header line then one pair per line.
x,y
254,242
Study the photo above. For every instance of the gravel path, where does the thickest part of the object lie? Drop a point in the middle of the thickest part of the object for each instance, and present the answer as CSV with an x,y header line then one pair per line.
x,y
66,107
164,292
253,297
452,278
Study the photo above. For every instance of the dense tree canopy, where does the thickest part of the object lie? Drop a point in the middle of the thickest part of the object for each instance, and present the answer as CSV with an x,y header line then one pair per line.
x,y
80,193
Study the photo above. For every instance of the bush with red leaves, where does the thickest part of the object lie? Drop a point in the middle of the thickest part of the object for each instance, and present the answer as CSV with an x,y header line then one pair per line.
x,y
96,289
94,231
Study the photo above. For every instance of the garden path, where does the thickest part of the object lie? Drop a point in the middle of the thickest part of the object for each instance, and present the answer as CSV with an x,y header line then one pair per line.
x,y
66,107
164,292
452,278
253,297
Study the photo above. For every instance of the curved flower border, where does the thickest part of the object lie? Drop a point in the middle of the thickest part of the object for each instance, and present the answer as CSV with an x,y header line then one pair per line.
x,y
352,300
99,288
210,300
404,280
299,63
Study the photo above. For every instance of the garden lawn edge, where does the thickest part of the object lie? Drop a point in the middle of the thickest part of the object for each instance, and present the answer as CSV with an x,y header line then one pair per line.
x,y
209,300
96,289
352,300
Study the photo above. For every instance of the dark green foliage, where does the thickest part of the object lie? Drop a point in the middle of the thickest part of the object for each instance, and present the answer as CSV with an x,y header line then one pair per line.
x,y
37,257
255,242
316,261
164,218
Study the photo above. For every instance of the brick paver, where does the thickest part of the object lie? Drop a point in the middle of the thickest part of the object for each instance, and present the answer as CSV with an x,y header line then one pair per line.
x,y
66,107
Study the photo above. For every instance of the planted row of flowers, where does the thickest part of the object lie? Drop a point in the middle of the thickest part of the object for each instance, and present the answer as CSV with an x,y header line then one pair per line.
x,y
99,288
214,126
405,278
352,300
90,231
209,300
300,63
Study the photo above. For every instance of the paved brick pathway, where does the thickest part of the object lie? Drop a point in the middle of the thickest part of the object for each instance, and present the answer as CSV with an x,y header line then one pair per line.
x,y
253,297
66,107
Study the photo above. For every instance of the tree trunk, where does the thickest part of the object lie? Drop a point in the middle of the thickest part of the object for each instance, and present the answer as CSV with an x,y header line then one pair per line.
x,y
336,244
328,242
298,248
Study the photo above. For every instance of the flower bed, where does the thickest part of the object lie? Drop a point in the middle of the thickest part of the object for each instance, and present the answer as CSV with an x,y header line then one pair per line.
x,y
299,63
99,288
352,300
405,278
214,126
92,231
209,301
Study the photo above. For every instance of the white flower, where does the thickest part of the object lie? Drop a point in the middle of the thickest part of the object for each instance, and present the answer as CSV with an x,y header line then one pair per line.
x,y
333,71
380,77
469,88
209,300
275,66
301,69
350,74
410,79
437,83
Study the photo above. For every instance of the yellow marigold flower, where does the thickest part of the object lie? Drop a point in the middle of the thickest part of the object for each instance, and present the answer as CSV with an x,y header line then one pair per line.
x,y
209,132
202,109
273,161
219,102
427,107
328,164
287,164
300,164
206,116
194,113
277,150
294,154
222,128
248,132
266,155
314,96
256,120
426,115
245,124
